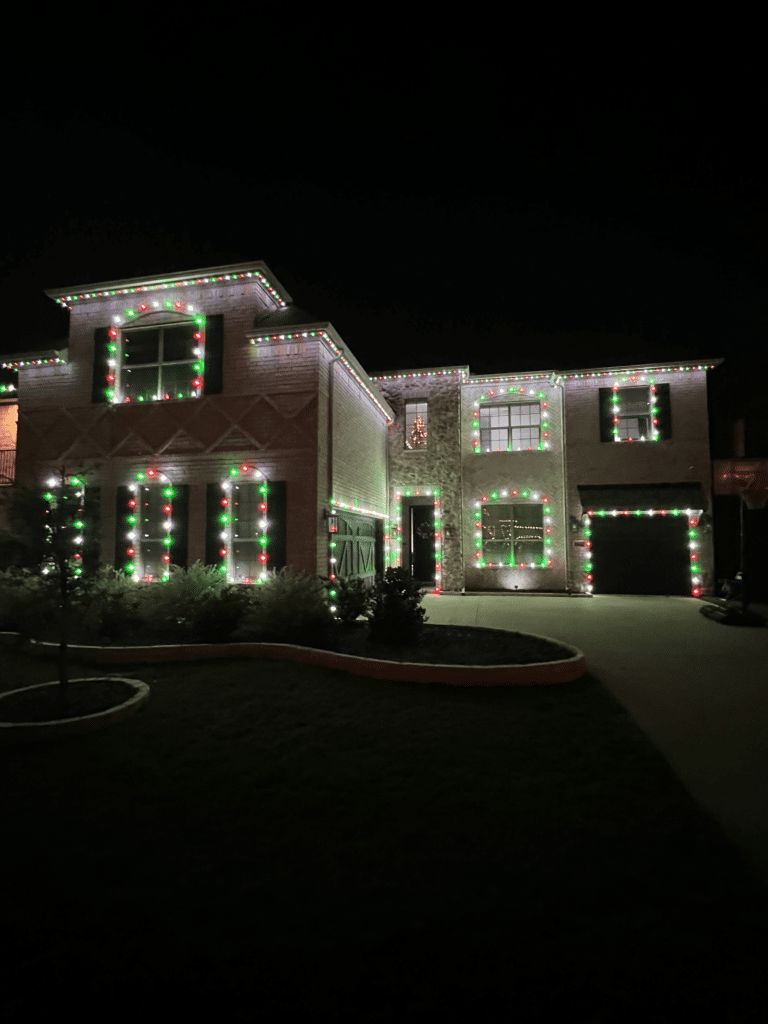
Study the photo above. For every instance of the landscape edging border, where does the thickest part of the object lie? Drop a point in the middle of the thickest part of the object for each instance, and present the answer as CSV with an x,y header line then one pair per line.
x,y
22,732
533,674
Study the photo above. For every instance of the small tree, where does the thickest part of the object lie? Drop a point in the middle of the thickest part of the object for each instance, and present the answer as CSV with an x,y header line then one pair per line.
x,y
48,530
395,616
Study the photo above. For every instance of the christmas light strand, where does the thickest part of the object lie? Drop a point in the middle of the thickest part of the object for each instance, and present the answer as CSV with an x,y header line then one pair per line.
x,y
393,539
53,497
693,543
529,496
227,518
133,523
544,438
184,283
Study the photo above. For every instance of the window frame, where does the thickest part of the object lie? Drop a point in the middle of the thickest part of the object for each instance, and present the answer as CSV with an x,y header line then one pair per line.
x,y
509,427
510,559
425,420
196,361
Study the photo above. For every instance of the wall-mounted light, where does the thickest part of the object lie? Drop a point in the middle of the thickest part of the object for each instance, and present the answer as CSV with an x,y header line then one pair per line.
x,y
333,524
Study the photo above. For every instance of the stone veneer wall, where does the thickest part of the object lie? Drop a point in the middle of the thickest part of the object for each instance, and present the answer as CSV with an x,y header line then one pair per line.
x,y
439,464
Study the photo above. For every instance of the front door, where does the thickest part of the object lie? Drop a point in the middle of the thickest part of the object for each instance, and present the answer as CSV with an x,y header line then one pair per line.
x,y
422,542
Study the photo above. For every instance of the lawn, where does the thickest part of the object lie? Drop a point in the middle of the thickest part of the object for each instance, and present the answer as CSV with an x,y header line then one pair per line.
x,y
277,840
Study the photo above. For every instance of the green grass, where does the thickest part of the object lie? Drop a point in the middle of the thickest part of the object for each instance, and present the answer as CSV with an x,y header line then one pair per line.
x,y
267,840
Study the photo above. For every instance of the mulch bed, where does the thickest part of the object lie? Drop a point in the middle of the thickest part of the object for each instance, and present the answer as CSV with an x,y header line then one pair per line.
x,y
50,704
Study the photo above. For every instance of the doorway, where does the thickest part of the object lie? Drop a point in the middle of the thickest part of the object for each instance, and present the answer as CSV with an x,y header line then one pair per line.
x,y
421,542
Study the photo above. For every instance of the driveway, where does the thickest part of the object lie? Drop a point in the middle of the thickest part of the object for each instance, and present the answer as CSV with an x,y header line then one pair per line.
x,y
697,688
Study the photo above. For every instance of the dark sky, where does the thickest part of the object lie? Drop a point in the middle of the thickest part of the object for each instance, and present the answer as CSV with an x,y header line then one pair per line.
x,y
449,208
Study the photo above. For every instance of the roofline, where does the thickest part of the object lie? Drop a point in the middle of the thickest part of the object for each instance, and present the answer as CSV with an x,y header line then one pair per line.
x,y
177,278
49,355
288,335
600,371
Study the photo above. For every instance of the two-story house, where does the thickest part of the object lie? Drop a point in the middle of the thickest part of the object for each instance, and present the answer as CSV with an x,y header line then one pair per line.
x,y
207,417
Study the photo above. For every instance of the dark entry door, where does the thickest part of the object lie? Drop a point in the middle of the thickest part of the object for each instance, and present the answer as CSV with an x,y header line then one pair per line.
x,y
422,542
641,555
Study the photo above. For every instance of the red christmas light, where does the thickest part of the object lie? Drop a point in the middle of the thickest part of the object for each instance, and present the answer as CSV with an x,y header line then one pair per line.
x,y
132,503
223,552
151,472
130,551
225,502
167,509
245,469
166,558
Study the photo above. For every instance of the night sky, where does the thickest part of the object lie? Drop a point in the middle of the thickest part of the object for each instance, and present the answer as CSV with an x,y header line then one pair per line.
x,y
439,206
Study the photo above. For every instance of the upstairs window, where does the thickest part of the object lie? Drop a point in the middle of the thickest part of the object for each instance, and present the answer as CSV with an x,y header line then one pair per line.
x,y
510,428
415,425
159,363
635,413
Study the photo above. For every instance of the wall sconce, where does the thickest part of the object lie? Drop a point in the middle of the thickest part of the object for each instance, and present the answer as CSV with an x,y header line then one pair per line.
x,y
333,524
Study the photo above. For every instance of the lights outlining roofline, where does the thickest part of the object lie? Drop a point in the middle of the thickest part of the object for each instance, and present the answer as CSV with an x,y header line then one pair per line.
x,y
112,289
337,351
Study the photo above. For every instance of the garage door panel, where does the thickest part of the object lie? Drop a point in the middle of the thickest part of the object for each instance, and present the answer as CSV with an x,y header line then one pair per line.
x,y
640,555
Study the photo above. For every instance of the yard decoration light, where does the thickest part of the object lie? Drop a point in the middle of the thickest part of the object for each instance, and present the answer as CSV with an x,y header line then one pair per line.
x,y
523,496
394,536
693,543
231,524
54,497
135,523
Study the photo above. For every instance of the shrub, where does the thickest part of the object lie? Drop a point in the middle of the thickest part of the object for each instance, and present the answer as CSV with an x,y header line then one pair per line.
x,y
106,606
290,607
395,616
217,615
172,605
27,601
352,598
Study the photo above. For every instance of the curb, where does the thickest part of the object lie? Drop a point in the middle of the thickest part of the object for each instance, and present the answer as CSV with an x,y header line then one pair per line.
x,y
534,674
24,732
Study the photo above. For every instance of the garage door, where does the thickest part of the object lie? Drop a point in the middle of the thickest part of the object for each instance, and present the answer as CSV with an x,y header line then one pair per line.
x,y
640,555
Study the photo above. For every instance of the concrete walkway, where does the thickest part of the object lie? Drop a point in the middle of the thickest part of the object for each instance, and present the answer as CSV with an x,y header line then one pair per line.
x,y
697,688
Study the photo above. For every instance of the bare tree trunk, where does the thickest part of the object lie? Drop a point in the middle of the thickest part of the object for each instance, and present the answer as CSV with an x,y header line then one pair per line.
x,y
63,623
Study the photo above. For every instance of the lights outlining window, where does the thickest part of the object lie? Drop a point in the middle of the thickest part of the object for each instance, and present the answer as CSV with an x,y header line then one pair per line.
x,y
158,362
64,514
149,527
513,528
518,426
244,524
693,541
415,425
393,538
634,413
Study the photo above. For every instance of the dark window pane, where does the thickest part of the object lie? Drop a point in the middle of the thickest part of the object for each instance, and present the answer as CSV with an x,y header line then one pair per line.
x,y
176,380
141,346
140,385
178,342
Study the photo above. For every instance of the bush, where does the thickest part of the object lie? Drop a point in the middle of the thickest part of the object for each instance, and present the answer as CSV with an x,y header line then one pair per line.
x,y
172,606
290,607
217,615
28,602
352,598
106,606
395,617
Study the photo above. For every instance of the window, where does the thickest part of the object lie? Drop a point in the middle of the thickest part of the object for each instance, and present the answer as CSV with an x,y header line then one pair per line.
x,y
513,534
160,363
635,413
415,425
248,509
153,544
510,428
632,409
